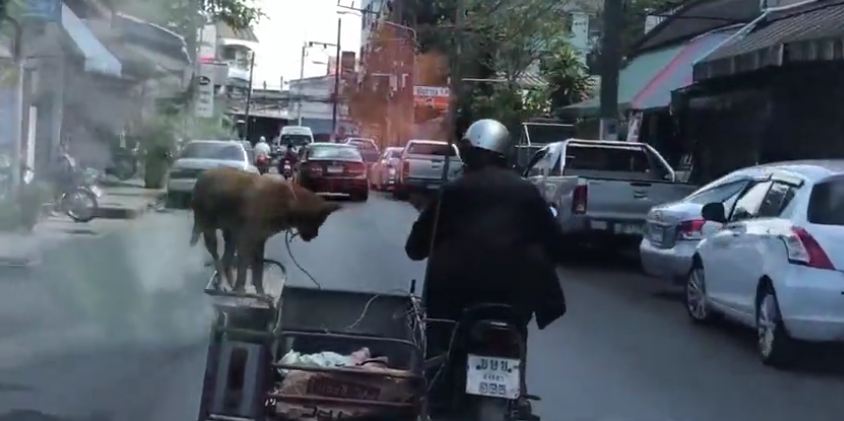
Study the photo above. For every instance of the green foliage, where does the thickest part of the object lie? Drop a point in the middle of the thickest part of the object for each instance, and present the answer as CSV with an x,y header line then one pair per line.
x,y
183,15
568,79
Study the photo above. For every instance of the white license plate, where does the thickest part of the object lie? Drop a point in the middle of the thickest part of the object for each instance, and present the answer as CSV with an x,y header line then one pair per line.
x,y
335,170
630,229
493,377
598,225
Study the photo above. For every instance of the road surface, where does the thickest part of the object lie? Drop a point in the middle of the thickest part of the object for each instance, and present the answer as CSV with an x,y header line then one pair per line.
x,y
113,327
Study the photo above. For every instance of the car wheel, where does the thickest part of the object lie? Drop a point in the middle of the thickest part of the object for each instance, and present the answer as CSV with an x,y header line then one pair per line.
x,y
775,346
695,295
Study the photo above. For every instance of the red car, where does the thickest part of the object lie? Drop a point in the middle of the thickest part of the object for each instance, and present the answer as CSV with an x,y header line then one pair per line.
x,y
334,168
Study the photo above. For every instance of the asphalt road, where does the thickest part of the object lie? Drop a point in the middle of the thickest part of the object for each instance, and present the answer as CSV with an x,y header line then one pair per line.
x,y
113,327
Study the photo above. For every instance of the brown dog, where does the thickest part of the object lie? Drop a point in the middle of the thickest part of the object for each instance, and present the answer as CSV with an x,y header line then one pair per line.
x,y
250,208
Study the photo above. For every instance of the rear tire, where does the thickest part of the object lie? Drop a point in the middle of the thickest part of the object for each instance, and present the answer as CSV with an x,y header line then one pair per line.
x,y
776,348
83,206
488,409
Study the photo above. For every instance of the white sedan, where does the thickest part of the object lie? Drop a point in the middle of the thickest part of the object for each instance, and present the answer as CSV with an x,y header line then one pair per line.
x,y
198,156
775,262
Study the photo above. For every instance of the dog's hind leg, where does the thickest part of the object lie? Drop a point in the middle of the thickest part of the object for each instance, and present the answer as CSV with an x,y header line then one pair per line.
x,y
229,248
210,237
258,266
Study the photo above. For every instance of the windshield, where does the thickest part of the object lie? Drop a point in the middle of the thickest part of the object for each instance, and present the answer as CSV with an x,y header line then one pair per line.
x,y
295,139
334,152
200,150
431,149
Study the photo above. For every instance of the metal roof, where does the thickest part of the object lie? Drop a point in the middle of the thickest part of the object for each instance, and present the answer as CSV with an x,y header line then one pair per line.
x,y
777,39
226,31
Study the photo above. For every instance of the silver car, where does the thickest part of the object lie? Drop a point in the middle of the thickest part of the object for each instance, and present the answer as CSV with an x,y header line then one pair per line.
x,y
384,172
200,155
673,230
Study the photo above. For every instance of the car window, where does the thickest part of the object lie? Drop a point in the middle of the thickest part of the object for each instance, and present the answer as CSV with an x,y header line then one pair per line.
x,y
826,204
721,193
430,149
778,197
537,165
748,204
606,159
221,151
333,152
295,139
362,144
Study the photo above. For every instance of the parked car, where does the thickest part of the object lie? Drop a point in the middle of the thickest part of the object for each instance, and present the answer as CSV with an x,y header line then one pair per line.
x,y
422,164
774,260
198,156
673,230
383,175
334,168
603,190
367,147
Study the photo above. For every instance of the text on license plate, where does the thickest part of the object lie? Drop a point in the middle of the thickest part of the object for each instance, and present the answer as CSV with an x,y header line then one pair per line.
x,y
631,229
493,377
335,169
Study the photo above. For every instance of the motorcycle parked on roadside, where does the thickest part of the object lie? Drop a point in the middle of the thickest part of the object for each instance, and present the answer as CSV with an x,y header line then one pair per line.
x,y
125,163
77,194
485,362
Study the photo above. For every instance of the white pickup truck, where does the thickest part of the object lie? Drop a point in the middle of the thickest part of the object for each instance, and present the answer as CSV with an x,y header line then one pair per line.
x,y
603,189
422,163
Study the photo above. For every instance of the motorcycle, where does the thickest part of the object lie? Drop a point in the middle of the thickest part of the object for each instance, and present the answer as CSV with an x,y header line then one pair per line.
x,y
487,356
286,169
125,163
78,193
263,164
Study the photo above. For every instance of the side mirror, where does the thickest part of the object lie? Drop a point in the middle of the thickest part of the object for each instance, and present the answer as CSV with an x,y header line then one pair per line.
x,y
714,212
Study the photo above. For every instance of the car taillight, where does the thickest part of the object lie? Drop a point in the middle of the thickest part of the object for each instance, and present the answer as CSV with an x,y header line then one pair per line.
x,y
690,230
803,249
356,169
580,199
405,168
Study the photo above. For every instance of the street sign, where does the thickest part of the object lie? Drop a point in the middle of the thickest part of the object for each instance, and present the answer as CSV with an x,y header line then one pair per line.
x,y
41,10
205,97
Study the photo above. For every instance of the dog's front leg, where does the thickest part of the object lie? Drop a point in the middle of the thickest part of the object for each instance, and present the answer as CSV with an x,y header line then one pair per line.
x,y
229,248
258,265
245,252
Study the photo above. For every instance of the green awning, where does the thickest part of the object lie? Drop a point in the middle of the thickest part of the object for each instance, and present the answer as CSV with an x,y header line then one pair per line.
x,y
635,75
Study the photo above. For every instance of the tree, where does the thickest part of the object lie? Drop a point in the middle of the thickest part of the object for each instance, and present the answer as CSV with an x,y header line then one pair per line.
x,y
183,16
568,79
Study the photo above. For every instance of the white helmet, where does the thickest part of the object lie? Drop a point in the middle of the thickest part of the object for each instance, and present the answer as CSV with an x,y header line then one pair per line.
x,y
490,135
262,139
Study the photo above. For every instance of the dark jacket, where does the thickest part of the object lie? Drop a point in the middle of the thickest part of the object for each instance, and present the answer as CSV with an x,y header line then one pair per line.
x,y
496,241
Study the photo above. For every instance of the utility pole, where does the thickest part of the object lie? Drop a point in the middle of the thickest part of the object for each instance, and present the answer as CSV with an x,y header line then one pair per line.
x,y
456,78
299,91
337,69
249,96
610,63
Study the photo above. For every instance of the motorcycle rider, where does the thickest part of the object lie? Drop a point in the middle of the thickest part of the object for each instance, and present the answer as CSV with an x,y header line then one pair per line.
x,y
496,240
262,148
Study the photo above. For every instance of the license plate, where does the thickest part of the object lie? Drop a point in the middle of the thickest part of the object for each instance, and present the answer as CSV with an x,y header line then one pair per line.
x,y
598,225
630,229
335,169
493,377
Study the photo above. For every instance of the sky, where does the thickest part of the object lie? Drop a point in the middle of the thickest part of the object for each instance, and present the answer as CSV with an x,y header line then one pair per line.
x,y
290,23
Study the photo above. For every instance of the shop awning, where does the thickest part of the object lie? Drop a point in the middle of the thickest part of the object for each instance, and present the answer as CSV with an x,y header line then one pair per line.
x,y
631,80
98,59
812,32
678,72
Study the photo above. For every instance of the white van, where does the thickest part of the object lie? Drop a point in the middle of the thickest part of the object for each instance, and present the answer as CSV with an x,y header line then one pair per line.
x,y
297,135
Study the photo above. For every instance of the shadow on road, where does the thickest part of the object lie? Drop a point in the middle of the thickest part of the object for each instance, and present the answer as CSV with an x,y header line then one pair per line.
x,y
29,415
